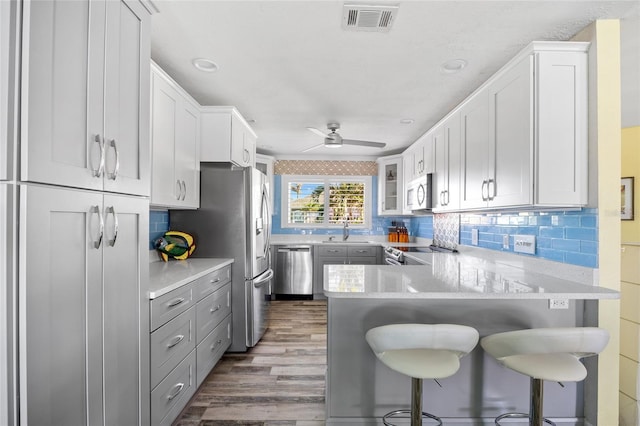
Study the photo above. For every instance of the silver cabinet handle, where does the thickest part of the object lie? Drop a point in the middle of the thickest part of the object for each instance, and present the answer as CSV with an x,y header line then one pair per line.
x,y
116,168
333,251
184,190
111,210
98,172
175,302
178,389
246,155
362,251
447,198
491,189
215,345
177,339
217,308
98,241
179,187
217,280
485,184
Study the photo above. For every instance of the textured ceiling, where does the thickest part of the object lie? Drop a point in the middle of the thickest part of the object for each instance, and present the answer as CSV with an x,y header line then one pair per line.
x,y
289,65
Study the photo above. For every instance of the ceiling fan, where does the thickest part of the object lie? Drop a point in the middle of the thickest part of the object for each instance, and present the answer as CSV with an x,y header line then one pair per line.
x,y
334,140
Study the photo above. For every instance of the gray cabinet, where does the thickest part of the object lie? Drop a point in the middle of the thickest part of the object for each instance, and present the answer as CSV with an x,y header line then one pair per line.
x,y
82,287
85,95
190,331
341,254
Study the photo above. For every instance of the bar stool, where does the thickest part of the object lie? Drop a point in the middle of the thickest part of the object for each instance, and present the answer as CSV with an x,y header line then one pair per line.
x,y
545,354
421,351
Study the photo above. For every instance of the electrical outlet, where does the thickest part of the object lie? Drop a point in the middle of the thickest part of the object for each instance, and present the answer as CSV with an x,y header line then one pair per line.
x,y
474,237
558,303
505,242
524,244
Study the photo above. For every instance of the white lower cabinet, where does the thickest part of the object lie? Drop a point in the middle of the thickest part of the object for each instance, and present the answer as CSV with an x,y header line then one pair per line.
x,y
83,309
190,330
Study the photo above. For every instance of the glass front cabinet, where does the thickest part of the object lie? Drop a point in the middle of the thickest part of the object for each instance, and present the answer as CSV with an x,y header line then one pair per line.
x,y
390,185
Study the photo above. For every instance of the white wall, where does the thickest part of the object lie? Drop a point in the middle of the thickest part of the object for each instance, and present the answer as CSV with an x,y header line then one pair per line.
x,y
630,70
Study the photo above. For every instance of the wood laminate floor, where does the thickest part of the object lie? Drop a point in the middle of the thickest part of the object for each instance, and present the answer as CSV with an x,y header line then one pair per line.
x,y
281,381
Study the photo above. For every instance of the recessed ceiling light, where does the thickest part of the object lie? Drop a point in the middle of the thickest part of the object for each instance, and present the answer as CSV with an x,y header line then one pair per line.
x,y
407,121
453,66
205,65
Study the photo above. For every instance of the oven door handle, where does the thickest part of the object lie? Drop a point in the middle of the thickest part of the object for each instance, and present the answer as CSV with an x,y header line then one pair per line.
x,y
390,261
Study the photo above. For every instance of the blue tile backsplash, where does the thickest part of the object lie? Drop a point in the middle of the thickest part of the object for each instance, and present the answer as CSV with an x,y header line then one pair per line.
x,y
158,225
562,236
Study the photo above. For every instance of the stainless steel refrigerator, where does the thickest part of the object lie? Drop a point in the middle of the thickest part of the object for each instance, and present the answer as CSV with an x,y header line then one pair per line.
x,y
234,221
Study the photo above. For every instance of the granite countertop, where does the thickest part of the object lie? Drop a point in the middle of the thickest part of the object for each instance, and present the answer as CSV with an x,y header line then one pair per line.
x,y
453,276
167,276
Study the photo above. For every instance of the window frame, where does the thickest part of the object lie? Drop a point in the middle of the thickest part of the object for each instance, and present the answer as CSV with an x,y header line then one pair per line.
x,y
325,180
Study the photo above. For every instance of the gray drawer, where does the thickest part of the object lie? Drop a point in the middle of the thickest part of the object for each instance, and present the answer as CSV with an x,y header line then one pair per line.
x,y
211,349
171,343
172,394
170,305
211,310
362,251
206,285
331,250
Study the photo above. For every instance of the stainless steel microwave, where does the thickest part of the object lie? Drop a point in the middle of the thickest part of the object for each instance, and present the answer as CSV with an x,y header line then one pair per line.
x,y
419,193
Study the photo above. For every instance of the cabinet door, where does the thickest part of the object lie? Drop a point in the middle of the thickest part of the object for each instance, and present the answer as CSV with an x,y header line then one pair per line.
x,y
452,147
407,167
390,187
441,168
562,128
249,148
127,98
511,137
165,188
62,93
239,154
60,294
126,310
474,140
187,165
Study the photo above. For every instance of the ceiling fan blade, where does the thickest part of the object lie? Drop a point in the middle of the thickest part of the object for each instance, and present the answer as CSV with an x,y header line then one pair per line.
x,y
317,132
364,143
313,147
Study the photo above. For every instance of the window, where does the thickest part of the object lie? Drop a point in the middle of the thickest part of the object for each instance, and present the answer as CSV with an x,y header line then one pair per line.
x,y
326,201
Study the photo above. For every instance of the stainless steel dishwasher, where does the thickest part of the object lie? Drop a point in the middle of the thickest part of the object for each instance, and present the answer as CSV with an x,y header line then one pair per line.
x,y
294,270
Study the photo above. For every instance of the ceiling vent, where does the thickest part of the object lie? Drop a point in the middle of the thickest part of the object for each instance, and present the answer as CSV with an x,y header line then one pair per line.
x,y
368,18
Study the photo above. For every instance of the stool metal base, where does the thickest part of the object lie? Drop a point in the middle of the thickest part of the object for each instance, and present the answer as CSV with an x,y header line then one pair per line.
x,y
398,412
517,415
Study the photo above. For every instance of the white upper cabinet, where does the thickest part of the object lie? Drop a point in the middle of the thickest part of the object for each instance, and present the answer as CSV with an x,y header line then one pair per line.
x,y
85,92
446,152
523,135
474,140
390,185
227,137
175,142
422,156
407,172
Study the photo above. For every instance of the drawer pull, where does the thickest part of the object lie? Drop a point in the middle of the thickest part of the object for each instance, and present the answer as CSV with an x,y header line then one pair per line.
x,y
333,251
361,251
178,388
212,310
215,345
175,302
217,280
175,341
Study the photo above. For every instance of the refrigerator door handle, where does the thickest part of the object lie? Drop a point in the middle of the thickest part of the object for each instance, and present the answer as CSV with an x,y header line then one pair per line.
x,y
266,214
263,279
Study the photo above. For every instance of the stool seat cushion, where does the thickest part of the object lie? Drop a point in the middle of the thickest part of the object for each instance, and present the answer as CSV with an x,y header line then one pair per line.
x,y
554,367
422,363
423,351
547,353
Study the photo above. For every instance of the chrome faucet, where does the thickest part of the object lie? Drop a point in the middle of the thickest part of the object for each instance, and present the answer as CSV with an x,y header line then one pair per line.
x,y
345,230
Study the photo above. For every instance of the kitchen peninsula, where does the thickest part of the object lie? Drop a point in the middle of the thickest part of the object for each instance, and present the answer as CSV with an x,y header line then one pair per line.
x,y
464,289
